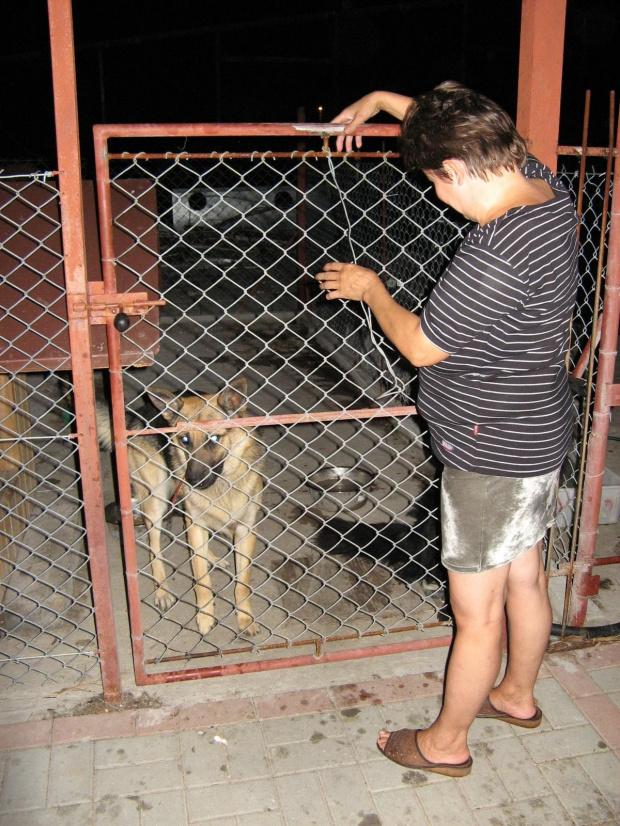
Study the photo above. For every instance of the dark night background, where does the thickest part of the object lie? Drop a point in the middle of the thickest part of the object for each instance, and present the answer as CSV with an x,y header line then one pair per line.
x,y
143,61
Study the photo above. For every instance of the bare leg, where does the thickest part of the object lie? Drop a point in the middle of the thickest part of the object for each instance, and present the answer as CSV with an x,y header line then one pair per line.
x,y
529,625
478,604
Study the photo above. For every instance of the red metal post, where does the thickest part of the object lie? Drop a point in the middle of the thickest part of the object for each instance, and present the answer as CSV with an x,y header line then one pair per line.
x,y
540,76
74,248
104,197
605,397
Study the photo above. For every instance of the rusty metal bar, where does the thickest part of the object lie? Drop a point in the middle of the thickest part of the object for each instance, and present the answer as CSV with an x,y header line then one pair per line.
x,y
584,358
314,641
582,162
584,583
354,414
202,130
291,662
569,151
588,397
284,419
74,246
607,560
243,156
591,151
117,397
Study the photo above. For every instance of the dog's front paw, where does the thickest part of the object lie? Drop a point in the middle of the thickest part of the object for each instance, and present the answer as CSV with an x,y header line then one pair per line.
x,y
164,600
221,562
247,626
205,622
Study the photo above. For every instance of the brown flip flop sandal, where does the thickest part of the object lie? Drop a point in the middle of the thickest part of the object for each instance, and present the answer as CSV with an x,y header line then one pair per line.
x,y
489,711
402,748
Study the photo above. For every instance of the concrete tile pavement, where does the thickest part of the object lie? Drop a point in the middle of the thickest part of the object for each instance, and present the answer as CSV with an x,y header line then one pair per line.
x,y
308,758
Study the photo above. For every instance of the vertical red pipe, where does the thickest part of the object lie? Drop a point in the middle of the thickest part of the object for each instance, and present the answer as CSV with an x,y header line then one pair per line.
x,y
597,444
541,58
74,250
106,235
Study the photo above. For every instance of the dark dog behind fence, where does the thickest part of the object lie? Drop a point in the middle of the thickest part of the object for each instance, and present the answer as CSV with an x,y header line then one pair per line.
x,y
410,549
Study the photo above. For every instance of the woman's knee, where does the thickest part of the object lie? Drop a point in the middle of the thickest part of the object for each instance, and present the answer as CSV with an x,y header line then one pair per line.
x,y
527,572
478,600
478,613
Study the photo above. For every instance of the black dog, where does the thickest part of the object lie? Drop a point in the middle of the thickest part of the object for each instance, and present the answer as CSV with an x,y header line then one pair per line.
x,y
410,549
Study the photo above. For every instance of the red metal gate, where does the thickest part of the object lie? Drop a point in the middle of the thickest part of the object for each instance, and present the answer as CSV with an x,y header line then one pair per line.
x,y
226,221
236,217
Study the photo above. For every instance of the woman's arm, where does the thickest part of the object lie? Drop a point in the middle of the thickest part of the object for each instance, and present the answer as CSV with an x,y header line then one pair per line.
x,y
401,326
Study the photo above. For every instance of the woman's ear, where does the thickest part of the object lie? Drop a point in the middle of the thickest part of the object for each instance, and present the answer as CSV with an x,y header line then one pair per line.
x,y
455,169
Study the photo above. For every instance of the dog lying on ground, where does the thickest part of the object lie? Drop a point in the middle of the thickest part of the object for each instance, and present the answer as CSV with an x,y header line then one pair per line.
x,y
216,477
410,549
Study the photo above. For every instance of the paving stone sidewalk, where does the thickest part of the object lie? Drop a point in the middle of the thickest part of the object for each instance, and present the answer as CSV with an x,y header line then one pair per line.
x,y
308,758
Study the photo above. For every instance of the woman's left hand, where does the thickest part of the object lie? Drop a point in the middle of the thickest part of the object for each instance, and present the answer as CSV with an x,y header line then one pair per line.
x,y
340,280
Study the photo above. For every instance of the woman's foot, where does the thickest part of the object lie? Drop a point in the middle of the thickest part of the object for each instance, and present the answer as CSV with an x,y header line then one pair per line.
x,y
405,748
514,713
512,705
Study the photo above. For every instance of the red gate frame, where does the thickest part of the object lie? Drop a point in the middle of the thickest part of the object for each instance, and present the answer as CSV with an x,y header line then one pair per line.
x,y
102,134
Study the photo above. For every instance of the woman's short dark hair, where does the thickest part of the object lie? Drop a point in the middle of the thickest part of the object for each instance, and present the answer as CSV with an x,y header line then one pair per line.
x,y
452,121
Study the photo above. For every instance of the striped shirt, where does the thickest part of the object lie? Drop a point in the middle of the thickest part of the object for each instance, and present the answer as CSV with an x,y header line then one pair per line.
x,y
500,404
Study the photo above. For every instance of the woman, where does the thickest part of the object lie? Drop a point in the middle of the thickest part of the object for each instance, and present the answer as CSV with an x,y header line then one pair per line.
x,y
490,343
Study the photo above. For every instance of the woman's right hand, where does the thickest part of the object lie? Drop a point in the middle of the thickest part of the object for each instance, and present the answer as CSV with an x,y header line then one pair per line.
x,y
365,108
353,116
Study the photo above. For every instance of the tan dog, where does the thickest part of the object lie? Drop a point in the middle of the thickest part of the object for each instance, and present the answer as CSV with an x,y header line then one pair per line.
x,y
216,476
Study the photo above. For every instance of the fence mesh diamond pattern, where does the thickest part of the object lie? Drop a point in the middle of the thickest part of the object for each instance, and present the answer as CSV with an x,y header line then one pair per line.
x,y
346,524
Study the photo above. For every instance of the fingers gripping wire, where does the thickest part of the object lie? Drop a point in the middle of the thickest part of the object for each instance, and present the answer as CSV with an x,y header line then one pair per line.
x,y
399,385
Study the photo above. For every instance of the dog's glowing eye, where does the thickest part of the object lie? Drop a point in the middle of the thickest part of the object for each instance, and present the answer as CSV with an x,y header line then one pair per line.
x,y
213,438
185,439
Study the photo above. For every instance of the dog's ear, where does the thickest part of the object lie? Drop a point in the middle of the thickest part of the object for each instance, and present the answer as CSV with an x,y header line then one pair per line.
x,y
166,402
234,398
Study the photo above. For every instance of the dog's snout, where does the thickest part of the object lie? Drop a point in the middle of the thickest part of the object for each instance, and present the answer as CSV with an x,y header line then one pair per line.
x,y
200,475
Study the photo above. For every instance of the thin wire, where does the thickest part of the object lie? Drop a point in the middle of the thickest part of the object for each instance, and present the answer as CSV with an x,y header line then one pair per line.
x,y
399,386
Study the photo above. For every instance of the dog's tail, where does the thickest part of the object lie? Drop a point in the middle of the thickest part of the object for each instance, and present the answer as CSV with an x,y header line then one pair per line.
x,y
105,434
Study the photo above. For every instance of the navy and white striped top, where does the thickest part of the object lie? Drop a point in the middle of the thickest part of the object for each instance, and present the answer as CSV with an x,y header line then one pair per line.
x,y
500,404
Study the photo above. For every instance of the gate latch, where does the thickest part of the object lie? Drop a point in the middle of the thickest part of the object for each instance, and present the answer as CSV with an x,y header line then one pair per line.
x,y
100,306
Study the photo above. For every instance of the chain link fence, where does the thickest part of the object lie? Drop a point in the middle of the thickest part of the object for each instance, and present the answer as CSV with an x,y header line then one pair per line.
x,y
591,267
47,629
346,522
347,534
